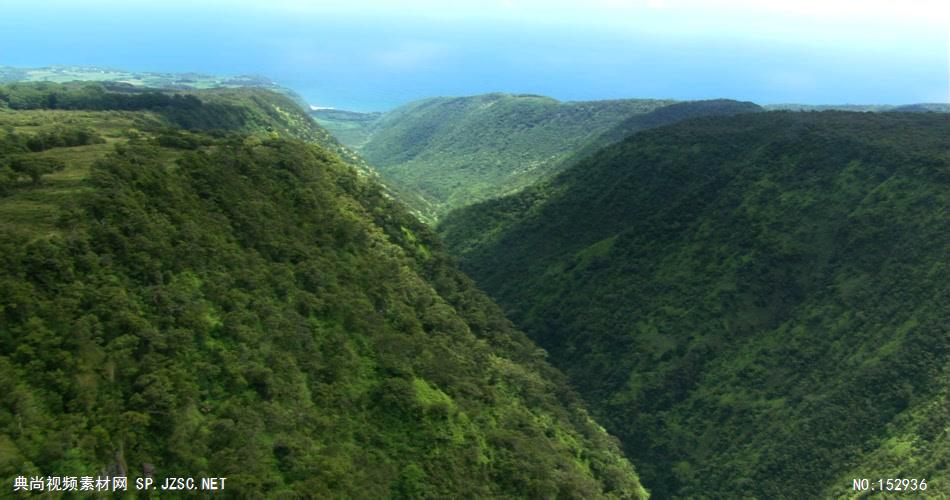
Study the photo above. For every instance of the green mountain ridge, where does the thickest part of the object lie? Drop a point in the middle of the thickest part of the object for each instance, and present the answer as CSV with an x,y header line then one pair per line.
x,y
449,152
459,150
188,287
240,108
755,305
665,115
920,107
148,79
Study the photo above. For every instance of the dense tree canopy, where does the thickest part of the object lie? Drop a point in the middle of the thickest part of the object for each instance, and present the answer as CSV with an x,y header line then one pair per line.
x,y
751,303
456,151
248,306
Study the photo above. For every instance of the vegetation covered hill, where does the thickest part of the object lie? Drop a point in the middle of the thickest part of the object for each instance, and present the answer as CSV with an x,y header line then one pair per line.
x,y
232,302
756,305
244,109
665,115
143,79
233,109
457,151
921,107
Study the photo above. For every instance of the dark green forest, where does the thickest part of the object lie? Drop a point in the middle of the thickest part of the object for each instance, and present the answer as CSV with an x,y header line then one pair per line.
x,y
210,295
757,305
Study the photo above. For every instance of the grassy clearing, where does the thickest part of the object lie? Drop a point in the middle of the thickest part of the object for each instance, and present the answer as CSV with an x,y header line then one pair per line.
x,y
35,209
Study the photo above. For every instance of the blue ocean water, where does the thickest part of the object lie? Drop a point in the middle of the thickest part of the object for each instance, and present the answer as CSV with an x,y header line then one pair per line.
x,y
377,64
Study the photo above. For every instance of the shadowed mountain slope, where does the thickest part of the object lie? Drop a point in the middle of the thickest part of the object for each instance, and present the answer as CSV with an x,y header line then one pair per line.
x,y
756,305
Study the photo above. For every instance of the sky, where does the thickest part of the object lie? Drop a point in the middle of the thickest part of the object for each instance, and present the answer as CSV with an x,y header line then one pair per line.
x,y
375,55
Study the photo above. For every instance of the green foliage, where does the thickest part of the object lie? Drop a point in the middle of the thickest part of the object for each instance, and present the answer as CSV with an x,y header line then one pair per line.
x,y
143,80
8,179
63,137
222,304
457,151
755,305
247,108
243,109
49,138
35,168
90,96
922,107
264,112
665,115
177,139
916,443
12,143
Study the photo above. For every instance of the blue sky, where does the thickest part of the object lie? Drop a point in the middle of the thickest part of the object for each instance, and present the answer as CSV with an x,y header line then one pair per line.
x,y
375,55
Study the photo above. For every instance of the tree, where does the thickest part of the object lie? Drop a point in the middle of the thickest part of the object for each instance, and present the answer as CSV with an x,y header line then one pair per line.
x,y
7,179
36,168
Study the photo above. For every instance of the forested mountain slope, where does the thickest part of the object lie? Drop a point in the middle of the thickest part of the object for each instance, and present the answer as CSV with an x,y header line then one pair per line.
x,y
233,109
460,150
665,115
920,107
145,79
756,305
229,301
244,109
